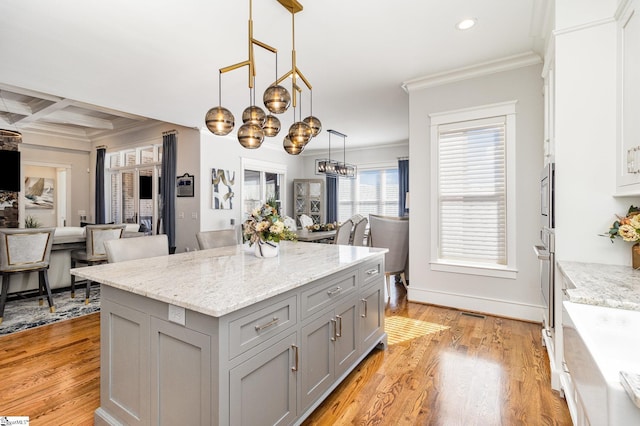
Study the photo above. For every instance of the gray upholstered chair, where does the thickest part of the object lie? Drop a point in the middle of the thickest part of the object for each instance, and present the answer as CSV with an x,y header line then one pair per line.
x,y
136,248
357,236
391,233
94,252
221,238
22,251
343,234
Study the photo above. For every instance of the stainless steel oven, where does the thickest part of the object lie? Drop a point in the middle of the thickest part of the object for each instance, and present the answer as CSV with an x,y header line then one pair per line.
x,y
545,251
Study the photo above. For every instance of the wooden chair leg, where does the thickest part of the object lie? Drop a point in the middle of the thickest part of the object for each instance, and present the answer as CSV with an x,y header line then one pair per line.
x,y
73,280
387,280
3,294
88,292
404,280
44,277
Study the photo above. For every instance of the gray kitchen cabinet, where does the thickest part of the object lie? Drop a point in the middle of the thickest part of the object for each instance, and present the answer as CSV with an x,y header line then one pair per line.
x,y
262,390
329,346
270,362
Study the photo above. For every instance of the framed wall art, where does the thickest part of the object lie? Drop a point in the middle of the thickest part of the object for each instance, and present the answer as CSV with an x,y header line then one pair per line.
x,y
222,194
185,185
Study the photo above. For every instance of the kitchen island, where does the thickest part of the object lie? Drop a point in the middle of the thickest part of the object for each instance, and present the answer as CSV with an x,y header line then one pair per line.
x,y
220,337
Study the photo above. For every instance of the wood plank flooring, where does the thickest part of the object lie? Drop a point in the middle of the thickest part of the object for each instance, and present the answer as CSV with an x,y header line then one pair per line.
x,y
442,367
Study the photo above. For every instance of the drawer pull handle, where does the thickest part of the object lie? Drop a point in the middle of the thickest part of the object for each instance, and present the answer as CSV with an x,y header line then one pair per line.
x,y
274,321
365,308
295,365
339,332
335,330
373,271
334,291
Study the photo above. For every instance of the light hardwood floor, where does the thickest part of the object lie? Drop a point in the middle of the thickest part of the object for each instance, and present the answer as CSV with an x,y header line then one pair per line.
x,y
442,367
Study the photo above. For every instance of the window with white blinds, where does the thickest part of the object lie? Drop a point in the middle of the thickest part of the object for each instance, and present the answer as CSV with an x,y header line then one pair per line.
x,y
472,191
373,191
473,181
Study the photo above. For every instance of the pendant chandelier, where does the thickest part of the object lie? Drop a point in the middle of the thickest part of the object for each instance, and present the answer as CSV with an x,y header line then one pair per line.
x,y
329,167
256,123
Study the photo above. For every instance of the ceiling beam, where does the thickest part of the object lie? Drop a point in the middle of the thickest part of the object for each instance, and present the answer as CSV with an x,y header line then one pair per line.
x,y
15,107
74,118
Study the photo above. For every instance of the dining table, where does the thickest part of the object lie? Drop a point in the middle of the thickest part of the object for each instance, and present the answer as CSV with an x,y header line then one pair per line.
x,y
317,236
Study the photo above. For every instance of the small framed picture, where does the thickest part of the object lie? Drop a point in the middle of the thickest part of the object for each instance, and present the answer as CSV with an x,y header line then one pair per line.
x,y
185,184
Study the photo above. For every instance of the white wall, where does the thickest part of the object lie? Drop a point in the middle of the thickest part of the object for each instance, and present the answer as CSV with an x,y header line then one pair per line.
x,y
586,135
188,154
54,151
519,298
227,153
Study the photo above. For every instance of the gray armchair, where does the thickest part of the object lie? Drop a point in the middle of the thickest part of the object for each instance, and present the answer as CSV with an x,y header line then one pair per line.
x,y
343,234
391,233
22,251
357,236
94,252
124,249
221,238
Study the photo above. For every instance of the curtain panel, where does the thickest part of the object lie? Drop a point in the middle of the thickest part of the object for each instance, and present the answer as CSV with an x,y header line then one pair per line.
x,y
168,187
332,199
100,206
403,186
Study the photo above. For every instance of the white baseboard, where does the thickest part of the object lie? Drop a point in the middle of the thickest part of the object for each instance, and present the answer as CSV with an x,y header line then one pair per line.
x,y
502,308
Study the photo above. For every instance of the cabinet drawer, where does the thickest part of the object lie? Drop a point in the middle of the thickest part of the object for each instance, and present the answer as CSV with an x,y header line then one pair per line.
x,y
258,326
372,271
324,294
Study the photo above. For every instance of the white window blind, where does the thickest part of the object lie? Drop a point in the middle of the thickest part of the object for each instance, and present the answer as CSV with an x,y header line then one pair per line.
x,y
374,191
472,191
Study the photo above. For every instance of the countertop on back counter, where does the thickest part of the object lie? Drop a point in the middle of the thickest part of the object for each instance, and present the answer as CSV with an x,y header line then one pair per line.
x,y
613,286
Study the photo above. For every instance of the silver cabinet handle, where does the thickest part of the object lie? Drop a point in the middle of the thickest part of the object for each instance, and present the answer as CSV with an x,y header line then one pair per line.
x,y
365,308
335,329
334,291
339,332
295,364
274,321
373,271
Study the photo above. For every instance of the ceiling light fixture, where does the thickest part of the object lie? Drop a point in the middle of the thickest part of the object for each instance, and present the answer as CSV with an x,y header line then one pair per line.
x,y
466,24
277,99
329,167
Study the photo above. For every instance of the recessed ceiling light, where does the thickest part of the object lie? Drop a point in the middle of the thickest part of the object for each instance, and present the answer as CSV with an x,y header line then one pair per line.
x,y
465,24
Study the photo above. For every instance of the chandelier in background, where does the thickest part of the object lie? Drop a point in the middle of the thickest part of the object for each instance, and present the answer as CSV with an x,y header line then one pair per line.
x,y
329,167
277,99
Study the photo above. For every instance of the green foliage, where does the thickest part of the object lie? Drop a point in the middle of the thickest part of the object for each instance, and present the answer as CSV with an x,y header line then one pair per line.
x,y
32,222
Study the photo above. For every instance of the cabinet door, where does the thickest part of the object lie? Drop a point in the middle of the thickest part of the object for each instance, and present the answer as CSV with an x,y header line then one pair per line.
x,y
180,375
262,390
316,358
347,336
371,316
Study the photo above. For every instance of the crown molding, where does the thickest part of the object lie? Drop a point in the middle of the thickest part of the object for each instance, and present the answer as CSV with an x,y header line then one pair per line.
x,y
473,71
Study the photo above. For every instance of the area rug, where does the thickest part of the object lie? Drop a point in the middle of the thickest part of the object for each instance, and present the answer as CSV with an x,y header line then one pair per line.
x,y
23,314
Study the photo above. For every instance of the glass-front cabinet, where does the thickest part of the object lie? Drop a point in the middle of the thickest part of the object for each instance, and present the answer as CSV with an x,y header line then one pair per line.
x,y
309,199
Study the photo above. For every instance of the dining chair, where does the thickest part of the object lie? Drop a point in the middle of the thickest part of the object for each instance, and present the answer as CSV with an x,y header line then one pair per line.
x,y
23,251
305,221
290,223
343,234
391,233
220,238
357,236
94,252
124,249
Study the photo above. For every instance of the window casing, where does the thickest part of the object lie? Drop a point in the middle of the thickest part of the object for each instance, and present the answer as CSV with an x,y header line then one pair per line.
x,y
133,186
473,197
373,191
262,181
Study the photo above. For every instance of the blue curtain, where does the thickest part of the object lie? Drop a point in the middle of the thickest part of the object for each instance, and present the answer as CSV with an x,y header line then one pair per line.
x,y
168,187
100,203
403,186
332,199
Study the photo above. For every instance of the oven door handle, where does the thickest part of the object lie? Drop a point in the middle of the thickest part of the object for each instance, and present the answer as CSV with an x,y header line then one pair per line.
x,y
542,252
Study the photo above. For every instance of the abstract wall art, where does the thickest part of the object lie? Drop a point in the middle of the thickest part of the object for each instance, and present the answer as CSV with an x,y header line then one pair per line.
x,y
222,189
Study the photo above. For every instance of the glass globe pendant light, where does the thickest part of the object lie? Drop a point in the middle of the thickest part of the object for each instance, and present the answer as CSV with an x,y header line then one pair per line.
x,y
300,133
271,126
254,115
219,120
276,98
250,136
290,147
313,122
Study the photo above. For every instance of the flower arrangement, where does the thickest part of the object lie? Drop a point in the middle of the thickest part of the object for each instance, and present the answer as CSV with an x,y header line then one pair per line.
x,y
628,227
317,227
265,224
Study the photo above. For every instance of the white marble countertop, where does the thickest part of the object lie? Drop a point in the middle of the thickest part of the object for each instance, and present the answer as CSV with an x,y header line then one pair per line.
x,y
610,286
219,281
613,286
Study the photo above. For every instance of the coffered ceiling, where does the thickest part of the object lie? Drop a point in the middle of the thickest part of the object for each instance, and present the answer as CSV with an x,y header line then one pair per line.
x,y
85,68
